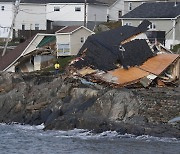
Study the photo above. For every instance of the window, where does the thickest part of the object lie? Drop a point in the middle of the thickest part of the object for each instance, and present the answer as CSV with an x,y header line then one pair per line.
x,y
2,8
56,8
23,26
128,23
77,9
152,26
171,46
36,26
130,6
63,49
119,14
82,39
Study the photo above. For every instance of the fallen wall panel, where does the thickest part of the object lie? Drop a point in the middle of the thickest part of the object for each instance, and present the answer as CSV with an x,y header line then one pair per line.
x,y
156,65
125,77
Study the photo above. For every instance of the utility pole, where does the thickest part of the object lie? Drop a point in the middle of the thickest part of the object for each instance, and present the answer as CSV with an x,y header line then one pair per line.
x,y
94,22
85,13
17,3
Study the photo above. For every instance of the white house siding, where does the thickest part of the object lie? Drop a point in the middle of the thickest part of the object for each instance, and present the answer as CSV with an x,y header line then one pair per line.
x,y
67,12
11,69
134,4
114,10
30,15
97,13
63,40
76,43
161,25
6,17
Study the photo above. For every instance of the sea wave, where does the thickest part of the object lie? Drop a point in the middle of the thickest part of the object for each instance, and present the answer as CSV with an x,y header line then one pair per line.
x,y
87,134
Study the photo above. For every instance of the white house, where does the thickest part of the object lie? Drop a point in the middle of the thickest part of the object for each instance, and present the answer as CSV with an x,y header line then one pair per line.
x,y
34,15
116,10
31,16
68,13
6,16
70,39
164,16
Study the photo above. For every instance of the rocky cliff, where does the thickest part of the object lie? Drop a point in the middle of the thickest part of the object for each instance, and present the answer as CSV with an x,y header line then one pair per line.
x,y
62,102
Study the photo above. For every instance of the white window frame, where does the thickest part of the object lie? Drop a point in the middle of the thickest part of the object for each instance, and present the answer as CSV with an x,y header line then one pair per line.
x,y
82,39
36,26
119,13
56,8
2,8
128,23
23,27
77,9
152,26
130,6
63,49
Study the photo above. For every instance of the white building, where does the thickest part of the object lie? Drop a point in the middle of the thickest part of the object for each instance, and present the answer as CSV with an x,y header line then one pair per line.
x,y
34,15
31,16
6,16
70,39
68,13
166,19
116,10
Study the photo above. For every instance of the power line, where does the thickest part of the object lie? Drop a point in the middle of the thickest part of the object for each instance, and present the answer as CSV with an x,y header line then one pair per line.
x,y
42,12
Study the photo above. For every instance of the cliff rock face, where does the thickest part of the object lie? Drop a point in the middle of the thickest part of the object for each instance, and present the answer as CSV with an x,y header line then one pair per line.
x,y
64,103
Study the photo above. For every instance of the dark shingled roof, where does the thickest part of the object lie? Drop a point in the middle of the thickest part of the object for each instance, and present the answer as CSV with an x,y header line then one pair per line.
x,y
11,56
54,1
104,50
155,10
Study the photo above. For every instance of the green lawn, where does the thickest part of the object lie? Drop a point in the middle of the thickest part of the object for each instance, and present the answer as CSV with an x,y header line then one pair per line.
x,y
63,61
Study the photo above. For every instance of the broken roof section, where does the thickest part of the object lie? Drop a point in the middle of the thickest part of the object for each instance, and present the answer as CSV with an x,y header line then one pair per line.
x,y
124,56
25,48
107,49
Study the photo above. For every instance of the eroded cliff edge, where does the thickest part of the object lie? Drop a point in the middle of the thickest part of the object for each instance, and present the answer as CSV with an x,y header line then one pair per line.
x,y
63,103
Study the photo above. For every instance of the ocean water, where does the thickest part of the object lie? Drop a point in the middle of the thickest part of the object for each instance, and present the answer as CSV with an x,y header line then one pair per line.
x,y
25,139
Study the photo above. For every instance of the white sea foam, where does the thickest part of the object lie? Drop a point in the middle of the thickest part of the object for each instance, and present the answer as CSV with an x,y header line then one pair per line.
x,y
28,127
86,134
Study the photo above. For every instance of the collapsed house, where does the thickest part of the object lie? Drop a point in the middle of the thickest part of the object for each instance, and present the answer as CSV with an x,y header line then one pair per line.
x,y
31,55
124,56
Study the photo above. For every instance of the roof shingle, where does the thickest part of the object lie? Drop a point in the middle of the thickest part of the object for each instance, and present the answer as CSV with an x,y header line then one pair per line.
x,y
155,10
11,57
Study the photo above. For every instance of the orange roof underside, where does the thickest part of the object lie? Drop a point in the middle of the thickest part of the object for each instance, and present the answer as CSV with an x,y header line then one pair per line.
x,y
156,65
133,74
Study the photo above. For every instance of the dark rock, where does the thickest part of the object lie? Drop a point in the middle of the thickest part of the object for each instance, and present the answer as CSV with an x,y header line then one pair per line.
x,y
45,114
66,103
138,120
53,116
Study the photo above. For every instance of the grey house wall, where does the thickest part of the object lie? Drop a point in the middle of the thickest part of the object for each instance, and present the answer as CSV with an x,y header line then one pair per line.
x,y
161,25
133,3
177,30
